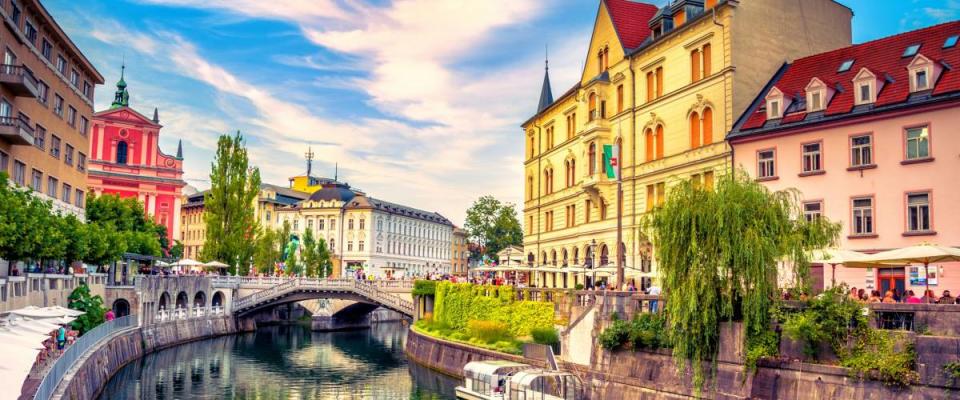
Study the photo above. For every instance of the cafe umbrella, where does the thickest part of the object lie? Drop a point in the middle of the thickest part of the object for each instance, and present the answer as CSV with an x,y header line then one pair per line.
x,y
924,253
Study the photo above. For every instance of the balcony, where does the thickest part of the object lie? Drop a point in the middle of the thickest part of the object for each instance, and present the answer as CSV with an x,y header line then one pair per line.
x,y
594,128
16,131
18,80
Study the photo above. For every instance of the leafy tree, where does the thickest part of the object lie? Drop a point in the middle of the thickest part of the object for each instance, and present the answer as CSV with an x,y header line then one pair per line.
x,y
105,245
177,250
229,204
493,225
91,305
24,219
718,253
293,265
324,263
308,251
77,239
266,251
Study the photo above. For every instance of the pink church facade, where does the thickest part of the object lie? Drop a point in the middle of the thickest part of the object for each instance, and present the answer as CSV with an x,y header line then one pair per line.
x,y
126,160
867,134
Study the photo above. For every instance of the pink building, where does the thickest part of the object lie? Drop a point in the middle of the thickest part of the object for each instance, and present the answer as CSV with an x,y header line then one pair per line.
x,y
868,135
125,159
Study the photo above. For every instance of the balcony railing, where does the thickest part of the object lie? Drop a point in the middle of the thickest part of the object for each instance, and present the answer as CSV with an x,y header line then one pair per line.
x,y
18,80
16,131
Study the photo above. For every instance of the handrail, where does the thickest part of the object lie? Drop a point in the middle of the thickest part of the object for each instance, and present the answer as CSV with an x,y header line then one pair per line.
x,y
18,70
77,350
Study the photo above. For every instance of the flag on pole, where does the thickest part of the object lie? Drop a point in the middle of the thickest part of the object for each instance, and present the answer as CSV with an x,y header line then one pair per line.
x,y
610,161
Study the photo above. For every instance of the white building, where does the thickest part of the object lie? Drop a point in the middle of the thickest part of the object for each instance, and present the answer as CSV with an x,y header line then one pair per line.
x,y
383,238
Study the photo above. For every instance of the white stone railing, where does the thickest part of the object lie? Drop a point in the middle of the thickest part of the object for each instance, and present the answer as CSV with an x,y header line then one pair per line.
x,y
164,315
369,290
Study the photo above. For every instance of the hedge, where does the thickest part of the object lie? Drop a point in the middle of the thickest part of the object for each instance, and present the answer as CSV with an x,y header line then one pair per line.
x,y
457,304
424,288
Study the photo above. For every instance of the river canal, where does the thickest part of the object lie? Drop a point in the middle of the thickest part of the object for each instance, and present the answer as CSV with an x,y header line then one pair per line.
x,y
284,362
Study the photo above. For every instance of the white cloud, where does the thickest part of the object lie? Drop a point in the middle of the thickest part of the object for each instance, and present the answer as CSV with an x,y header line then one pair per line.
x,y
467,141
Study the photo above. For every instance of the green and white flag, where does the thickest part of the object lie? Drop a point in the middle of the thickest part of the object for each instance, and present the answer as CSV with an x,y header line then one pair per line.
x,y
611,162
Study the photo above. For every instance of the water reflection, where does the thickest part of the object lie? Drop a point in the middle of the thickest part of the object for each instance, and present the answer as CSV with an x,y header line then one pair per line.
x,y
284,363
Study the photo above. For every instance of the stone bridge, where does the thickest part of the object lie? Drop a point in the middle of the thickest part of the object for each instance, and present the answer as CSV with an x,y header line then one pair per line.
x,y
343,303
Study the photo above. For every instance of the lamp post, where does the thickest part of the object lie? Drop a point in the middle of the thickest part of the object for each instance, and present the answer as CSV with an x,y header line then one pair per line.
x,y
591,264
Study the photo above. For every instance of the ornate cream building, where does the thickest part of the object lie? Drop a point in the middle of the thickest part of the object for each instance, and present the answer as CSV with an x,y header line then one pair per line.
x,y
384,239
665,84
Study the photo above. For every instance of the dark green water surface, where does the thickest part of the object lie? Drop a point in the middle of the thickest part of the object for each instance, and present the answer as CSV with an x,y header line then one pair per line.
x,y
284,362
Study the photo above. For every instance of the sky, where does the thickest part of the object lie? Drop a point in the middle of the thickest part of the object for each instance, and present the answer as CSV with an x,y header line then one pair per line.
x,y
417,102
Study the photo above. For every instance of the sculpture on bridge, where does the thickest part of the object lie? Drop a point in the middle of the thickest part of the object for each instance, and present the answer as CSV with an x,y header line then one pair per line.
x,y
289,249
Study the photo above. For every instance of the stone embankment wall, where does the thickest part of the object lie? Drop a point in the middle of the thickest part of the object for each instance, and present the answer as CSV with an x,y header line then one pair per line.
x,y
96,369
652,375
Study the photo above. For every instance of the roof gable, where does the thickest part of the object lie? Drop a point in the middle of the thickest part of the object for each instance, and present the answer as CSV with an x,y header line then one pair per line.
x,y
630,19
882,60
125,115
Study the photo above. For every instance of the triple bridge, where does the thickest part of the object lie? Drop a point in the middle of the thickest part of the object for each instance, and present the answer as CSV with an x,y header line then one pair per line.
x,y
352,300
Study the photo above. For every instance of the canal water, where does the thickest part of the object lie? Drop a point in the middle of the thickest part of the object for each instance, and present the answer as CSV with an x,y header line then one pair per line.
x,y
284,362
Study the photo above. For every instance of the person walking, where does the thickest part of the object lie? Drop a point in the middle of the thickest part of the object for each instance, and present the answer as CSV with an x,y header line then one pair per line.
x,y
61,337
109,316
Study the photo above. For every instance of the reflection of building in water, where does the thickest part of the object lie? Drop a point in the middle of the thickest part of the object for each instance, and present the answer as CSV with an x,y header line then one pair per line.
x,y
274,362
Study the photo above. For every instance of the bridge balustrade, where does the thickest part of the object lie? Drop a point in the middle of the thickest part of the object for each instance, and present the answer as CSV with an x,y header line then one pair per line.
x,y
368,289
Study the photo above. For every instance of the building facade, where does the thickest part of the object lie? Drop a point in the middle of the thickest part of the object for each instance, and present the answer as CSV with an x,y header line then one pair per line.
x,y
459,253
271,200
663,85
46,103
193,229
126,160
866,134
384,239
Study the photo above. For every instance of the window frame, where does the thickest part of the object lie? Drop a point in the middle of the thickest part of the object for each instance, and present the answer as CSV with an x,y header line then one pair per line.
x,y
929,216
807,214
871,152
804,154
760,164
853,216
906,143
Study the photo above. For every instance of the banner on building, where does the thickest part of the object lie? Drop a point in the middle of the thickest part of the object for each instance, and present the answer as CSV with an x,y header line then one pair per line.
x,y
611,161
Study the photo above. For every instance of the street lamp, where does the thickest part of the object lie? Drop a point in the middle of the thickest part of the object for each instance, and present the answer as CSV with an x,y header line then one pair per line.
x,y
590,263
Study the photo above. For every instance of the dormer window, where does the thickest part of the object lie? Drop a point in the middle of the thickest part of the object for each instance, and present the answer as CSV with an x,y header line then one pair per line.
x,y
818,94
923,73
911,50
920,80
866,85
776,104
866,95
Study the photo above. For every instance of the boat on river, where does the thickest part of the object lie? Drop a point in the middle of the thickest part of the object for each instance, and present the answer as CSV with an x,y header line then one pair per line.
x,y
487,380
506,380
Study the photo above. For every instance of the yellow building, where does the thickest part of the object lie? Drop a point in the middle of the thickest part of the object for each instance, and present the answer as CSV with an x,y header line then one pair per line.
x,y
665,85
193,229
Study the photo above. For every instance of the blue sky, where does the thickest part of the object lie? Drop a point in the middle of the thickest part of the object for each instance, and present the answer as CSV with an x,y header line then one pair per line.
x,y
417,101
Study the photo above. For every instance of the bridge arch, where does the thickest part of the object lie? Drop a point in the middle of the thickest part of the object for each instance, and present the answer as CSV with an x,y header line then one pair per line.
x,y
182,300
217,299
164,303
121,308
297,289
200,299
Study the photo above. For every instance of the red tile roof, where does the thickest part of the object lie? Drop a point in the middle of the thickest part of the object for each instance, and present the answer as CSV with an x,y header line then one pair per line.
x,y
631,21
883,57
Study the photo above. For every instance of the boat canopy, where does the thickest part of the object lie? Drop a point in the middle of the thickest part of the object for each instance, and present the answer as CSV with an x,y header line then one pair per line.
x,y
489,377
537,384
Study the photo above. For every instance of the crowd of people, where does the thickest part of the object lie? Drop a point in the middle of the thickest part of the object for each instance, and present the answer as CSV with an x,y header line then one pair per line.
x,y
906,297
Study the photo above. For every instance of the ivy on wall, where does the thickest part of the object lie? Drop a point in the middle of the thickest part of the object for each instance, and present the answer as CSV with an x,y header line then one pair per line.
x,y
458,304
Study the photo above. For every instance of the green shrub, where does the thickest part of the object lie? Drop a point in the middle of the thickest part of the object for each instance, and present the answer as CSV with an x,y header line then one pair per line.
x,y
885,356
545,335
648,331
764,345
424,288
615,335
830,318
952,370
488,331
578,286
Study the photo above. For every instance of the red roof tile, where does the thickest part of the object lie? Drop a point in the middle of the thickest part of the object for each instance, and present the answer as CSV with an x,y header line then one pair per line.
x,y
631,20
883,57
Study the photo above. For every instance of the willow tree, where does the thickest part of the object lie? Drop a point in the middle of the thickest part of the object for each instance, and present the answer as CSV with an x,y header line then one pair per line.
x,y
718,253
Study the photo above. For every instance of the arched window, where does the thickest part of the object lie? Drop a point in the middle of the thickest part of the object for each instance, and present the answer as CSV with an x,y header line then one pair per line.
x,y
543,257
592,106
593,158
573,171
553,257
694,130
121,152
648,136
707,126
530,188
533,148
659,140
576,256
565,258
566,173
604,255
548,181
530,259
